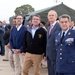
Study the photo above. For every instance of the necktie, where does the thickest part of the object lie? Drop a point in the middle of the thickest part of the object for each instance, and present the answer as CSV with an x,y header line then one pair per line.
x,y
50,29
62,36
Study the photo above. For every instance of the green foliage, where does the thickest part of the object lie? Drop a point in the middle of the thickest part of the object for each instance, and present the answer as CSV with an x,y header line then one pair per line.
x,y
24,9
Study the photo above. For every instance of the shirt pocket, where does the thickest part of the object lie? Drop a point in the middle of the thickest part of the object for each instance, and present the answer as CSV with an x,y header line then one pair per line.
x,y
69,43
71,61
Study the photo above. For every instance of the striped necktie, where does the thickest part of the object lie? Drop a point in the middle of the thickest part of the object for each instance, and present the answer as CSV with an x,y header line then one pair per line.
x,y
50,29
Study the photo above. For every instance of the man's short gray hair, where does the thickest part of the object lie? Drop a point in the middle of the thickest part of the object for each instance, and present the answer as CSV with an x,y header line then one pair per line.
x,y
54,12
65,16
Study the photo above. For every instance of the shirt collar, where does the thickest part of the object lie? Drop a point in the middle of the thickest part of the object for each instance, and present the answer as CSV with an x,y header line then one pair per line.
x,y
35,28
65,31
18,28
53,24
4,25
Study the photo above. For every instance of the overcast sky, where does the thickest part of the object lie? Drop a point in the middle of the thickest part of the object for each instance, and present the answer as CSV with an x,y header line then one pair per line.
x,y
7,7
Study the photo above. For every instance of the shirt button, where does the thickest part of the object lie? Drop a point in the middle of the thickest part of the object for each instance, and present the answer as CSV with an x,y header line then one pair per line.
x,y
60,48
60,53
61,44
60,58
69,44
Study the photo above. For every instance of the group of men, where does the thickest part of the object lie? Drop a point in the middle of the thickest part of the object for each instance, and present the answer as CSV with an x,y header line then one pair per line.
x,y
56,45
60,49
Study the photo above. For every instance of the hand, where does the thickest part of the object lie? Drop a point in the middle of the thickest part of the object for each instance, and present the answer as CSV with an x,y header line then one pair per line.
x,y
44,58
13,50
16,51
23,54
8,45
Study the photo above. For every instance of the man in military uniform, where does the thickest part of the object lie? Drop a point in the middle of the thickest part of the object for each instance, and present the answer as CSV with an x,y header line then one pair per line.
x,y
65,46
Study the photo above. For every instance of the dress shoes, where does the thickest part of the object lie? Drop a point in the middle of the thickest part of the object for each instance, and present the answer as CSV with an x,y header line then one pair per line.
x,y
5,60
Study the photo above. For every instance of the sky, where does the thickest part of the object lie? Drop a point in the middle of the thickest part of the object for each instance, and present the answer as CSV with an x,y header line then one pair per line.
x,y
7,7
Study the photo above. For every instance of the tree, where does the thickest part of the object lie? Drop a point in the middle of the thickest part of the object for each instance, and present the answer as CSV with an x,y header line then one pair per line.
x,y
24,9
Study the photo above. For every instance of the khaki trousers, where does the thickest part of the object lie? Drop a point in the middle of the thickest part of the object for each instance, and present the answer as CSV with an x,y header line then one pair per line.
x,y
11,60
6,53
29,60
18,61
9,56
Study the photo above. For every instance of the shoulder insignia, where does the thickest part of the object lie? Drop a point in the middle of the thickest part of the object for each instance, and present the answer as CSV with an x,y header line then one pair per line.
x,y
69,33
58,33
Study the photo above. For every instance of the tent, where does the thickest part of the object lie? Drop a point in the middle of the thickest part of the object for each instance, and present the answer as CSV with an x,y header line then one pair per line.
x,y
60,9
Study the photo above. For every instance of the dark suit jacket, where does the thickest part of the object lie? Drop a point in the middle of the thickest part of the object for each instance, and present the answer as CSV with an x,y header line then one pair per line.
x,y
50,48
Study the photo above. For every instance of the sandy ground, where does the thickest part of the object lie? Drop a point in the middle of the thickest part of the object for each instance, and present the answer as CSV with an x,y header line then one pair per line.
x,y
5,68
